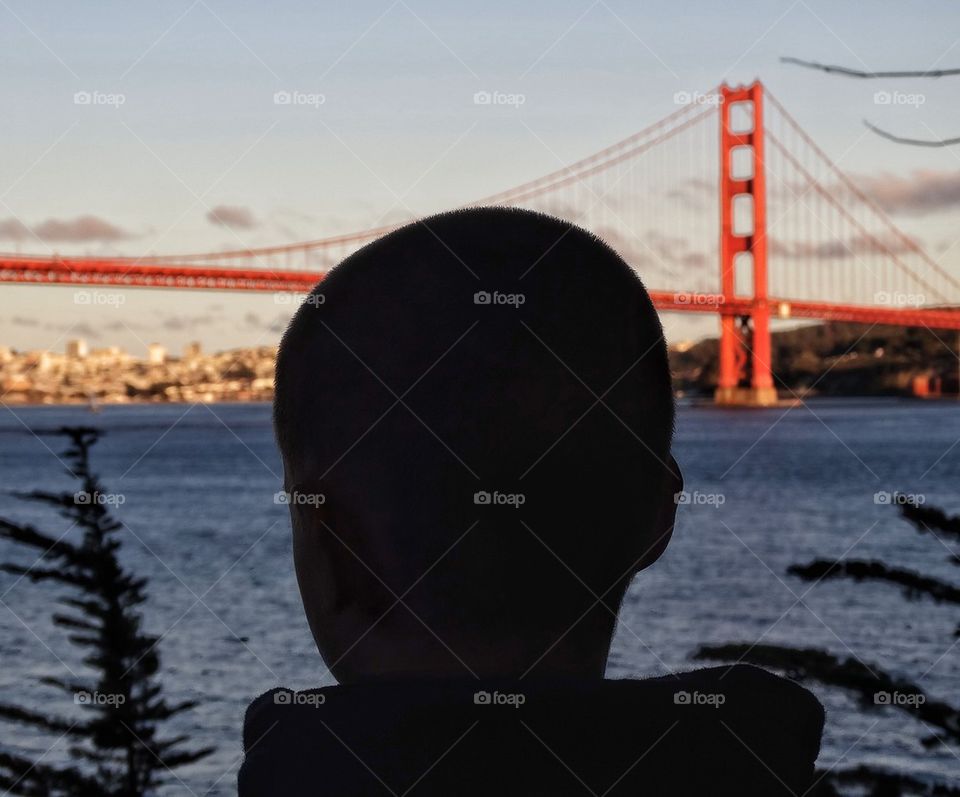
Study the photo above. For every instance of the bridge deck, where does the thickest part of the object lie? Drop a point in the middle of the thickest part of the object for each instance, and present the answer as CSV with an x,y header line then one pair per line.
x,y
146,274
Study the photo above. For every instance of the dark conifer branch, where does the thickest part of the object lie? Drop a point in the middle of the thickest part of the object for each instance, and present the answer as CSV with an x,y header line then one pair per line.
x,y
873,687
914,584
929,519
118,748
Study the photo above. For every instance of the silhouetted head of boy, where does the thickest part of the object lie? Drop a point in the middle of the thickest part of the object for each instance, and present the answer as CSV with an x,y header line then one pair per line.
x,y
475,416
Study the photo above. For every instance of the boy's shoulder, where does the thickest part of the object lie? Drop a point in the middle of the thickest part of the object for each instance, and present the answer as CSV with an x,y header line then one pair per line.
x,y
729,730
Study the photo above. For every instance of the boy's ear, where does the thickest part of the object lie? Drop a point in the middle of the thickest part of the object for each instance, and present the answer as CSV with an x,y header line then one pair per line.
x,y
662,529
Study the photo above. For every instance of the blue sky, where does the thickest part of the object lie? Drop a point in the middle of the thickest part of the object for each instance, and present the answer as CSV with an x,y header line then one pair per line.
x,y
198,128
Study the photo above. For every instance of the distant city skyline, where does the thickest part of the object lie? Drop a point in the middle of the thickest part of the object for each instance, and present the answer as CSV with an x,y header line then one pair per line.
x,y
162,128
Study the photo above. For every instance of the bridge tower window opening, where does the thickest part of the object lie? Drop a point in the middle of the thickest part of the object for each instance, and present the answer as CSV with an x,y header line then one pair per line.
x,y
741,163
743,274
743,216
741,115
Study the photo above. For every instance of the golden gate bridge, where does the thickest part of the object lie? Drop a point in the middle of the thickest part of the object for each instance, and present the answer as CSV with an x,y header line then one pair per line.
x,y
793,236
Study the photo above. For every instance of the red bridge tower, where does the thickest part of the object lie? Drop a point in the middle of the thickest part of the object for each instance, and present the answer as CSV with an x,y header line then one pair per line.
x,y
745,377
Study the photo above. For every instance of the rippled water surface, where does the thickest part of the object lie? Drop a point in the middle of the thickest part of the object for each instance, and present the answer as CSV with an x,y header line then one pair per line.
x,y
793,485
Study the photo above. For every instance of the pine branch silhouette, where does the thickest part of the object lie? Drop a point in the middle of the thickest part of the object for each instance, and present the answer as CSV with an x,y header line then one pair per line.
x,y
930,520
872,686
914,584
116,746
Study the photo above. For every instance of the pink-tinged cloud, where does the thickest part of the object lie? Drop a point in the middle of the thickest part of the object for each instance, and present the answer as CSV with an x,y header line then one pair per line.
x,y
83,229
14,230
923,191
232,216
836,249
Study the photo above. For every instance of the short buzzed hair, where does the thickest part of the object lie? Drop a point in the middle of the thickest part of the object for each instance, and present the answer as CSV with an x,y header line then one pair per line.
x,y
488,351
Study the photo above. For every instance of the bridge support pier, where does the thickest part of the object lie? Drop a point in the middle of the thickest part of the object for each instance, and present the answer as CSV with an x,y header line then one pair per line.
x,y
744,375
746,397
745,379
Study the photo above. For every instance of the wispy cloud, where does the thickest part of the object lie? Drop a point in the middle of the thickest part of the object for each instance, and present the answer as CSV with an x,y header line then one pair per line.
x,y
233,216
82,229
918,193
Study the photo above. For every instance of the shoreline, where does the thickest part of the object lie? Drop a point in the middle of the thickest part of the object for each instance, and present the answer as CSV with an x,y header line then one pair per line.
x,y
681,401
102,405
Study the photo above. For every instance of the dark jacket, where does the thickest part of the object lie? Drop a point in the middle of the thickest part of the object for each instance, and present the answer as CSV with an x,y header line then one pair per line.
x,y
720,731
